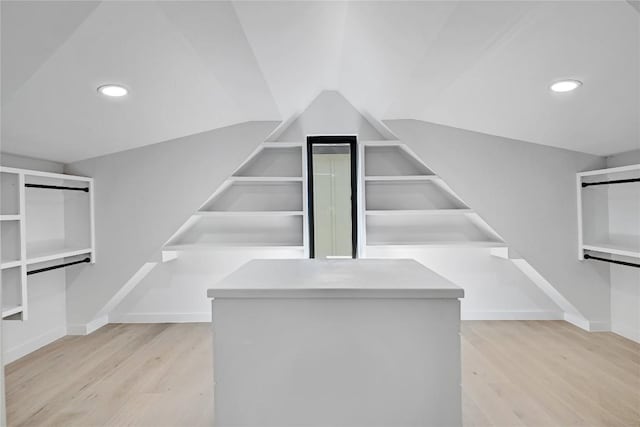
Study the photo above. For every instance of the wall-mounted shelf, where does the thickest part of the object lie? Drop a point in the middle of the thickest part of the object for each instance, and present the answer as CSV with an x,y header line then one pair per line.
x,y
406,205
42,219
608,211
262,205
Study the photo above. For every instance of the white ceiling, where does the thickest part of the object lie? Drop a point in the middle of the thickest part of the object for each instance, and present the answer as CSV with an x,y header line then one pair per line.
x,y
195,66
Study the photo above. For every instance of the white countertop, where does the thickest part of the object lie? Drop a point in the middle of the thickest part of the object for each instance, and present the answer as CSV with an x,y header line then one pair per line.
x,y
343,278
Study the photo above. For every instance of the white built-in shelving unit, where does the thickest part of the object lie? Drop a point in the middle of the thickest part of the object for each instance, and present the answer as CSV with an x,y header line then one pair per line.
x,y
401,203
609,213
41,227
262,205
407,205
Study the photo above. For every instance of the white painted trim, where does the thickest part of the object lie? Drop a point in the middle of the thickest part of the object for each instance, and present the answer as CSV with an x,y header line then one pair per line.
x,y
86,329
610,170
15,353
577,320
32,172
628,333
511,315
203,317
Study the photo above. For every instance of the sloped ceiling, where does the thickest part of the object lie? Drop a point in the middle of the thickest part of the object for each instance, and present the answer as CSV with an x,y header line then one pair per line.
x,y
192,66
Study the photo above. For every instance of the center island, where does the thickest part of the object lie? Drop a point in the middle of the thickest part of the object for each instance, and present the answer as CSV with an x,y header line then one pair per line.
x,y
341,343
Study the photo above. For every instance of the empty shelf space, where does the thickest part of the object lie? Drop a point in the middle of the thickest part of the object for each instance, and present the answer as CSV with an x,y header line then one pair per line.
x,y
9,194
35,256
392,160
258,196
249,231
273,161
267,179
427,230
389,195
10,241
403,178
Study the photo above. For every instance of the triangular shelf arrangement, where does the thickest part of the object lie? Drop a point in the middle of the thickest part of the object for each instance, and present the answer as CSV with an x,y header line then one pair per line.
x,y
260,206
407,204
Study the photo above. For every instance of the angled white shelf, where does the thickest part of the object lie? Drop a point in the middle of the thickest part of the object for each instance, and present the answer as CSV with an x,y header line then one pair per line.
x,y
402,178
461,211
247,213
441,244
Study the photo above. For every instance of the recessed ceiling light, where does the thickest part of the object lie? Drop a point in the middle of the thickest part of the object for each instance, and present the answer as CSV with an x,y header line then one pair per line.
x,y
113,90
566,85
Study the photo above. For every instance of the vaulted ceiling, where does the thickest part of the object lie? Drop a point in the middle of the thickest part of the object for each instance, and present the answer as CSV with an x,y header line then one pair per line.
x,y
192,66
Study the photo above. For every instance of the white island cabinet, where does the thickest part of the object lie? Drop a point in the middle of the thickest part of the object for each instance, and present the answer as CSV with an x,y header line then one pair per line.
x,y
340,343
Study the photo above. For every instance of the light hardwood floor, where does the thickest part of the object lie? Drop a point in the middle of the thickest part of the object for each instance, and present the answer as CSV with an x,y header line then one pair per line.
x,y
532,373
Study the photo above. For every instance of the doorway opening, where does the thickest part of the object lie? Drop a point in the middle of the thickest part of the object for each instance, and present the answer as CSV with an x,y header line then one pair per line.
x,y
332,196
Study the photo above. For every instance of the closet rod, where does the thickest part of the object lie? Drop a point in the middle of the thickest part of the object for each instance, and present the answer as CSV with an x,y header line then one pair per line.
x,y
55,267
58,187
615,181
613,261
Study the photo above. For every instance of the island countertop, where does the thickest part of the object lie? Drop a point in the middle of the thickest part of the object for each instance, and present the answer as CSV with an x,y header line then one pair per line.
x,y
339,278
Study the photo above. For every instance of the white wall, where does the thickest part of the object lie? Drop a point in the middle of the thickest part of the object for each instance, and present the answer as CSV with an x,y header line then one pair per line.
x,y
495,288
46,292
142,196
624,215
524,191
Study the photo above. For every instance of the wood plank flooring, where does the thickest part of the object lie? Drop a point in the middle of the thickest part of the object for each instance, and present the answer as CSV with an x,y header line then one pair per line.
x,y
516,373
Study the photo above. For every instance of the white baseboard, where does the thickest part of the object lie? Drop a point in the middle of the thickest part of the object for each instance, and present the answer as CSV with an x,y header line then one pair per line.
x,y
86,329
32,345
629,333
160,317
511,315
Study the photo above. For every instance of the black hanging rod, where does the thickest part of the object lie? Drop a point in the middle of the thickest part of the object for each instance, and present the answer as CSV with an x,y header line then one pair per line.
x,y
615,181
613,261
58,187
55,267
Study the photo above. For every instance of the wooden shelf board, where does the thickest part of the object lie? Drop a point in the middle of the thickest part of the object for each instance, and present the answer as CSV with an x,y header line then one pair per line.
x,y
455,244
31,172
48,255
10,311
265,178
248,213
217,246
402,178
10,264
10,217
610,170
391,212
